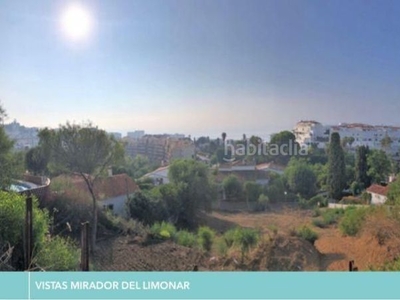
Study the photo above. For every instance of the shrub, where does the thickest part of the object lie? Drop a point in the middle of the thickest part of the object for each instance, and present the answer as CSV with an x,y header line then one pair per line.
x,y
146,208
58,254
233,187
186,238
352,221
12,216
262,203
162,230
316,212
206,237
308,234
331,216
316,201
222,248
252,190
303,203
319,223
246,238
229,237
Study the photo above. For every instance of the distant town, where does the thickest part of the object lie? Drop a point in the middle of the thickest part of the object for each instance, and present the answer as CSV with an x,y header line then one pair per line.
x,y
162,148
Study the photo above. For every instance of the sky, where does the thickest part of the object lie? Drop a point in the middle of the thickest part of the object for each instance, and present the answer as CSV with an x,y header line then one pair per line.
x,y
201,67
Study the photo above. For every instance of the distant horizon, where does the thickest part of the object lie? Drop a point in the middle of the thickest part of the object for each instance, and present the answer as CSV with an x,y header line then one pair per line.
x,y
235,135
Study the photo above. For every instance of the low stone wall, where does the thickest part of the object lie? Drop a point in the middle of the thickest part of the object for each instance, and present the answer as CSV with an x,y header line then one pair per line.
x,y
338,205
38,180
43,186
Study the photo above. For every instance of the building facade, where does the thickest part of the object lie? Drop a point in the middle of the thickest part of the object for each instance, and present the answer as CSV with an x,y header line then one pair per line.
x,y
386,138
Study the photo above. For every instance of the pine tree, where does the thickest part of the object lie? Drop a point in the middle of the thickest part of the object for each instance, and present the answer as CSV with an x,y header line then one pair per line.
x,y
336,167
361,167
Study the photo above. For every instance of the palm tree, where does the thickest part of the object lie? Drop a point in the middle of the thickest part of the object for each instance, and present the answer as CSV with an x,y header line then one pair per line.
x,y
223,137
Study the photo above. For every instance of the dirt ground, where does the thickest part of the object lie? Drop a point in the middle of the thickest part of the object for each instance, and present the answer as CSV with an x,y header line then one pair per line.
x,y
126,253
278,250
335,250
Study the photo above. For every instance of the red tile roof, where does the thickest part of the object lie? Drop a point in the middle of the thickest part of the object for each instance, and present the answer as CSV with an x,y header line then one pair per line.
x,y
378,189
107,187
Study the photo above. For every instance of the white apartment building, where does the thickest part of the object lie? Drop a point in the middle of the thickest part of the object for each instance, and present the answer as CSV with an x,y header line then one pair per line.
x,y
137,134
312,132
308,133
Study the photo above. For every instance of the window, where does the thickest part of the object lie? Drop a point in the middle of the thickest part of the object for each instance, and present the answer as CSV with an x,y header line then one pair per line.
x,y
108,207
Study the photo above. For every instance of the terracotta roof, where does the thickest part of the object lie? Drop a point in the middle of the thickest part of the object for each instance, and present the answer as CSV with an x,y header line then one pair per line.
x,y
378,189
107,187
270,165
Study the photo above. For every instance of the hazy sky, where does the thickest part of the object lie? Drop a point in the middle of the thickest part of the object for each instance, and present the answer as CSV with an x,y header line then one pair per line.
x,y
202,67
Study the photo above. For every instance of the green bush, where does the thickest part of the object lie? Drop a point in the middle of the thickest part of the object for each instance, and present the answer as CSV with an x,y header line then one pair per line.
x,y
229,237
58,254
233,187
316,201
252,190
352,221
316,212
163,230
146,208
319,223
206,237
262,203
332,216
12,221
246,238
186,238
50,253
303,203
308,234
222,248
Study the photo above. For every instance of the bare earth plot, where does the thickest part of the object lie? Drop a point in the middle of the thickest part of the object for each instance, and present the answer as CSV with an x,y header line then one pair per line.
x,y
335,249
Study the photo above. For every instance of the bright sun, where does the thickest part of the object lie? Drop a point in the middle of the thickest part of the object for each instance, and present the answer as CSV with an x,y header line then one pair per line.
x,y
76,22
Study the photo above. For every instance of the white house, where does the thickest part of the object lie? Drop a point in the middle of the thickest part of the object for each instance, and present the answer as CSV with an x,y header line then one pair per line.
x,y
159,176
378,193
112,192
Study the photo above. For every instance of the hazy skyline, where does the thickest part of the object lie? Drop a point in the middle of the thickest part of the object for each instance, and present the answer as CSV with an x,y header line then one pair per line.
x,y
202,67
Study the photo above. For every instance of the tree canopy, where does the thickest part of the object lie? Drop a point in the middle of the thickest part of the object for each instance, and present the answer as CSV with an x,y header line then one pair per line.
x,y
301,178
379,166
85,150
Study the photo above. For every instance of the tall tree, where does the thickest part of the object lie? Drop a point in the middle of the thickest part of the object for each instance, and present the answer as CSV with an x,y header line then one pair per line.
x,y
223,135
379,166
336,167
36,160
195,189
301,178
84,150
7,158
386,143
285,143
361,168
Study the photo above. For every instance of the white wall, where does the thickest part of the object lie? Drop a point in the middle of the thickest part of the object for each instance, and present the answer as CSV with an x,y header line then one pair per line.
x,y
377,199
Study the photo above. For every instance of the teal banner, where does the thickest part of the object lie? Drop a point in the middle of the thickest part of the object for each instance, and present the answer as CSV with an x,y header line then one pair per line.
x,y
199,285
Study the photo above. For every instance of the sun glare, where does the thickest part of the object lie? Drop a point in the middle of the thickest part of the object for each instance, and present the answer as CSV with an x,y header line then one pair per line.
x,y
76,22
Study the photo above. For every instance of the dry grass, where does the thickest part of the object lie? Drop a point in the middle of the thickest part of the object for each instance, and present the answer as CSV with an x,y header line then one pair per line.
x,y
378,242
